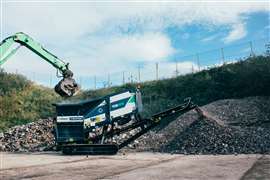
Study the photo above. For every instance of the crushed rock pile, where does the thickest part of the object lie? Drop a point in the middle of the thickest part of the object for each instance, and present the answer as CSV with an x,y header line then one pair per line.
x,y
229,126
35,136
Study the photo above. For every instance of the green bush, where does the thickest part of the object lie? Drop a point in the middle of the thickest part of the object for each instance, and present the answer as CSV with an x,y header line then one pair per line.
x,y
21,101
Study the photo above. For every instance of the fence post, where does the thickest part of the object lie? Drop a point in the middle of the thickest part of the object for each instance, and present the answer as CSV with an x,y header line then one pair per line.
x,y
109,79
251,48
139,73
157,71
131,78
176,68
198,61
123,77
95,82
222,56
267,47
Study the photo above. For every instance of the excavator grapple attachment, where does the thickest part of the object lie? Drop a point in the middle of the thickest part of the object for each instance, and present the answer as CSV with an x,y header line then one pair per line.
x,y
67,87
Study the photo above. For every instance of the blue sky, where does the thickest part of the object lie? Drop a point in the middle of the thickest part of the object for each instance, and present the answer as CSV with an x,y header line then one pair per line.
x,y
101,38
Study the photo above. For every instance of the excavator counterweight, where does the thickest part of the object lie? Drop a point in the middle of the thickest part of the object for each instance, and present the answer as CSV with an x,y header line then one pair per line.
x,y
66,87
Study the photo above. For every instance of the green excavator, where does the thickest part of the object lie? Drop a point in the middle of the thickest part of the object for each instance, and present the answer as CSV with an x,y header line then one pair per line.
x,y
66,87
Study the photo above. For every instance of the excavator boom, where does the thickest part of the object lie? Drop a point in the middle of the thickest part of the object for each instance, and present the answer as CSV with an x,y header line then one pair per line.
x,y
66,87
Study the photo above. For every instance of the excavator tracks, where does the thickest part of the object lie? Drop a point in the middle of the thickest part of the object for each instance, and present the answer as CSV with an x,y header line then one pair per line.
x,y
90,149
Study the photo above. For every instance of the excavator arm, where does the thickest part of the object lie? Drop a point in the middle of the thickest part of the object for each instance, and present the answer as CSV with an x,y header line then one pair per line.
x,y
66,87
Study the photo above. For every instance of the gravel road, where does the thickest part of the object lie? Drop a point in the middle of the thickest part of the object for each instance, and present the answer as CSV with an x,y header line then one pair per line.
x,y
51,165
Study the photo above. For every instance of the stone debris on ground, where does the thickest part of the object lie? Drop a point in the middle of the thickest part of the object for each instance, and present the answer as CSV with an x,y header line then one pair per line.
x,y
35,136
229,126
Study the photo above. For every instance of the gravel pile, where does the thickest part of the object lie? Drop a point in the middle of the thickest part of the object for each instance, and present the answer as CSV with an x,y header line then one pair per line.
x,y
35,136
229,127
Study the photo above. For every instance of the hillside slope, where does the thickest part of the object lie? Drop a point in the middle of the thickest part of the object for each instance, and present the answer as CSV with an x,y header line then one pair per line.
x,y
250,77
21,101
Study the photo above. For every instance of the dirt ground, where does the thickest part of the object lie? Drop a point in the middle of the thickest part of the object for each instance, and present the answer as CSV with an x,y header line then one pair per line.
x,y
51,165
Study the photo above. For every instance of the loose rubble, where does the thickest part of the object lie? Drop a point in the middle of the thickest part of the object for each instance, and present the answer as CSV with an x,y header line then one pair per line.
x,y
35,136
229,127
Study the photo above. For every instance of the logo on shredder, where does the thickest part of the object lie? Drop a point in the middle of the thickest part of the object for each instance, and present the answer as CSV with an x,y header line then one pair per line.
x,y
100,110
75,118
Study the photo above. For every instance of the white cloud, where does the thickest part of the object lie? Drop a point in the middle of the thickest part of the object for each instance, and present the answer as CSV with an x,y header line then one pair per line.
x,y
210,38
99,38
50,21
121,53
146,47
238,31
67,21
106,56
